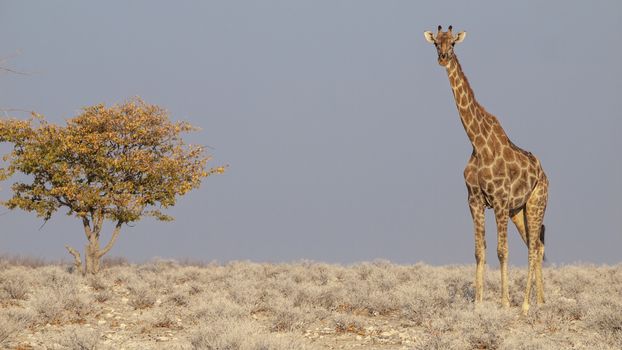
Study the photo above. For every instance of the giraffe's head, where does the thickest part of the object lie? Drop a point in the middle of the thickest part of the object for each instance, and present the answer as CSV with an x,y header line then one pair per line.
x,y
444,42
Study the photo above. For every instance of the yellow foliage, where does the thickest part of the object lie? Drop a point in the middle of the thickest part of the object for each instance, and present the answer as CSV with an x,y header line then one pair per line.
x,y
111,161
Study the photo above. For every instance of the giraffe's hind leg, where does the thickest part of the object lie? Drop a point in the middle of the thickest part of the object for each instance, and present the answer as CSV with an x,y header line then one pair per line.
x,y
543,194
535,208
539,282
519,221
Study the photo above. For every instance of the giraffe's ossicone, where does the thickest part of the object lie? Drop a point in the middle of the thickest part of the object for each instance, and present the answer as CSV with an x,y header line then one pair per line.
x,y
499,175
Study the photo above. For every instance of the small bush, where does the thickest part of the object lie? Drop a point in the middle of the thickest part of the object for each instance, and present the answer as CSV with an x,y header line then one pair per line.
x,y
218,308
76,338
142,300
165,319
349,324
241,336
49,308
97,283
288,319
606,318
179,299
12,322
15,286
142,296
102,296
61,307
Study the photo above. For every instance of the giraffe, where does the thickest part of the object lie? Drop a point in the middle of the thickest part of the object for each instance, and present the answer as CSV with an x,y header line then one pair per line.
x,y
499,175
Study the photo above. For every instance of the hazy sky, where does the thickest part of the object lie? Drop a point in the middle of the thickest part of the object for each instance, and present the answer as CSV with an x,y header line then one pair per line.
x,y
340,129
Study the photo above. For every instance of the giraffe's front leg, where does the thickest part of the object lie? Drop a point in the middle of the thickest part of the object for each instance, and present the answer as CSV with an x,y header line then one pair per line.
x,y
502,214
477,212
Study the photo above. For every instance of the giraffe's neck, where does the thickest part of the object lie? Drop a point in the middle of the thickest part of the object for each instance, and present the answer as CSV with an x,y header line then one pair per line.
x,y
476,121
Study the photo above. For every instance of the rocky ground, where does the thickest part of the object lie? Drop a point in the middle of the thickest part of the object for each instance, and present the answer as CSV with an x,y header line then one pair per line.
x,y
243,305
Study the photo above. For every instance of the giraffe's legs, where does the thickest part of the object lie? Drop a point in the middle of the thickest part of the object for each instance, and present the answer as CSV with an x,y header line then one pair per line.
x,y
543,195
536,205
539,282
501,215
477,212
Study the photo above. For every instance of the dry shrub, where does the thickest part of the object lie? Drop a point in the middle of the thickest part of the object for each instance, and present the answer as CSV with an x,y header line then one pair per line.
x,y
349,324
188,273
56,297
49,308
159,266
328,298
288,318
114,261
443,342
12,322
60,307
606,318
119,275
14,285
24,261
142,297
97,283
241,335
459,289
78,338
102,296
195,289
165,318
179,299
217,308
484,324
530,340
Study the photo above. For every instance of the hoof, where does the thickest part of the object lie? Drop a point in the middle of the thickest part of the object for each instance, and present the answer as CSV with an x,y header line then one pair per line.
x,y
525,309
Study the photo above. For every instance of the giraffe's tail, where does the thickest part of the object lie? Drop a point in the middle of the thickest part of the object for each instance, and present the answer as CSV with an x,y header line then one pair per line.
x,y
542,229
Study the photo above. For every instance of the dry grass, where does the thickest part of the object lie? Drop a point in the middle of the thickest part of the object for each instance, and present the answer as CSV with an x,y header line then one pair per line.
x,y
305,305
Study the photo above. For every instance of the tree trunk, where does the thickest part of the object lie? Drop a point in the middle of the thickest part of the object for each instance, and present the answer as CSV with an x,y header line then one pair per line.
x,y
92,252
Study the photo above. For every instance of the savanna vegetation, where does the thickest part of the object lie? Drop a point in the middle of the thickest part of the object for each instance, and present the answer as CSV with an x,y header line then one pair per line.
x,y
303,305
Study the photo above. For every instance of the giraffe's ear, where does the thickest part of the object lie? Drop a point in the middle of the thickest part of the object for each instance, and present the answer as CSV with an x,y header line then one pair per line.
x,y
460,37
429,37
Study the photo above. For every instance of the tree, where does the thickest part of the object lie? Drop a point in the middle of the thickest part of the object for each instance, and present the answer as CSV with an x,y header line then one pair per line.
x,y
118,164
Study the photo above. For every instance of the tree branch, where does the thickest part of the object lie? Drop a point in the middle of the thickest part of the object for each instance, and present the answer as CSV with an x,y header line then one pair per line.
x,y
12,71
4,60
87,228
98,219
76,256
6,111
115,235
